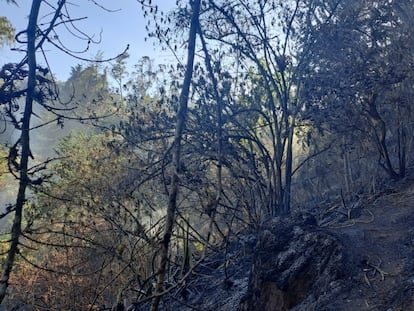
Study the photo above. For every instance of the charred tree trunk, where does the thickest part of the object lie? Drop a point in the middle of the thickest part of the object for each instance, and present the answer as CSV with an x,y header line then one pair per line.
x,y
176,149
288,170
219,111
380,130
25,150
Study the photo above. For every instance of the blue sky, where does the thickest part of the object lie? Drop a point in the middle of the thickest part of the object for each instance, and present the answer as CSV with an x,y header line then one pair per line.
x,y
126,25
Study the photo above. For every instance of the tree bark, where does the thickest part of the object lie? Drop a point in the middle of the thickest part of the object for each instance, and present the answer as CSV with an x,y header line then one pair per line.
x,y
176,149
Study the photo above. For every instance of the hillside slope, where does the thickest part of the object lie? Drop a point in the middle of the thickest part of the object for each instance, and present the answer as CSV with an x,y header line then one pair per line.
x,y
360,258
380,248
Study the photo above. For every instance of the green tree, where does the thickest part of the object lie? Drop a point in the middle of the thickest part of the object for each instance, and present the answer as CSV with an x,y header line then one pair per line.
x,y
6,31
39,92
89,226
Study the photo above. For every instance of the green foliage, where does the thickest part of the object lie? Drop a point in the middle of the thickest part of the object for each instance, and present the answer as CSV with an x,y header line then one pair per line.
x,y
87,219
6,31
86,83
87,91
88,161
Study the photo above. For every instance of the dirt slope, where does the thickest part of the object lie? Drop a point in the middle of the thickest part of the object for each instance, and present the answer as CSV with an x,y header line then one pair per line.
x,y
360,256
350,257
379,244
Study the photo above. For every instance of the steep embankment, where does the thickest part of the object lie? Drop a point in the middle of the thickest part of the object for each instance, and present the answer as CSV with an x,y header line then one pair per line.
x,y
361,259
380,247
350,258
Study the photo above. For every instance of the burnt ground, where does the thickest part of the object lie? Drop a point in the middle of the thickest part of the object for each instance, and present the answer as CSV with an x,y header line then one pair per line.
x,y
356,255
379,246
